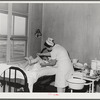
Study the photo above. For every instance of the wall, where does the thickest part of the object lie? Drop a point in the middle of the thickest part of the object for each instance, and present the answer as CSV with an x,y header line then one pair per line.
x,y
76,27
4,6
35,22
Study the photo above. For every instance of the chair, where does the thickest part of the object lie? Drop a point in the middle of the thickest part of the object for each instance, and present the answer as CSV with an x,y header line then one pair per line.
x,y
15,84
43,84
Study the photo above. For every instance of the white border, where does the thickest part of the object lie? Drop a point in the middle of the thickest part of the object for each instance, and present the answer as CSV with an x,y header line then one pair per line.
x,y
50,95
50,2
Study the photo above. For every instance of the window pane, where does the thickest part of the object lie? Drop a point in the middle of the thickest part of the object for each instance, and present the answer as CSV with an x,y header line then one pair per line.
x,y
19,25
20,7
17,49
4,6
3,24
3,45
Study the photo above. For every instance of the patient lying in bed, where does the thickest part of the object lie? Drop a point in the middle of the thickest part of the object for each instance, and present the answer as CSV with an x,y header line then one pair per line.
x,y
32,63
34,70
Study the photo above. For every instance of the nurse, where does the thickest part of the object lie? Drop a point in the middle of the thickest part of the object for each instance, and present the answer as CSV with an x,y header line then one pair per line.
x,y
60,58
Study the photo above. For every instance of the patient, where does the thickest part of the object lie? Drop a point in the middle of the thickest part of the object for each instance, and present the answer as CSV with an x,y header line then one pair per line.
x,y
32,63
32,66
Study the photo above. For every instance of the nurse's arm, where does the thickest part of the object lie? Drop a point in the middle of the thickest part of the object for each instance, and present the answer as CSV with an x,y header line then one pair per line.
x,y
44,54
50,63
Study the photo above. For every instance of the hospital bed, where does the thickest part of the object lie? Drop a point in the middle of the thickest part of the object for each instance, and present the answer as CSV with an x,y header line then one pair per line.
x,y
31,76
13,79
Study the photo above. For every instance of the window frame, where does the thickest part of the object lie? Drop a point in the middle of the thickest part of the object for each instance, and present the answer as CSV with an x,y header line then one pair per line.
x,y
15,37
20,37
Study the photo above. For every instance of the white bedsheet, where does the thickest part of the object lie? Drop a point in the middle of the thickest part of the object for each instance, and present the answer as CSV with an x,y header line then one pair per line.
x,y
33,72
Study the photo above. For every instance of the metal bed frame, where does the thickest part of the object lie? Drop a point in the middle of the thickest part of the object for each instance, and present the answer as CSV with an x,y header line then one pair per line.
x,y
13,82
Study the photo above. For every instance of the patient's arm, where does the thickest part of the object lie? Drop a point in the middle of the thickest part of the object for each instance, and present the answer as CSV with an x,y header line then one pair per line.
x,y
32,61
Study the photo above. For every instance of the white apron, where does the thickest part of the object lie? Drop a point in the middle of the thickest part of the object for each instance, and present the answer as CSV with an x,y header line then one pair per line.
x,y
64,72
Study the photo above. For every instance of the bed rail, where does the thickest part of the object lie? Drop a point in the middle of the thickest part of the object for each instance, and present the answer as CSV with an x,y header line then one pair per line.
x,y
8,82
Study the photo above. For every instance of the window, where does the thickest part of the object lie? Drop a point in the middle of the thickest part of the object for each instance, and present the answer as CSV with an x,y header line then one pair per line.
x,y
17,49
3,47
3,36
3,24
19,25
18,39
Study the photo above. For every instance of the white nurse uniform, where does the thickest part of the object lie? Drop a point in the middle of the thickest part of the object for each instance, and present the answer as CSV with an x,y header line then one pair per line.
x,y
64,65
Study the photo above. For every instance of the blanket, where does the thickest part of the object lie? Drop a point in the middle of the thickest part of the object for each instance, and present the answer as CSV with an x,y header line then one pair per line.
x,y
33,72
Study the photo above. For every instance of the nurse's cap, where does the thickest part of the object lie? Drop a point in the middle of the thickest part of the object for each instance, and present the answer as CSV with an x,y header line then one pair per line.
x,y
50,41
